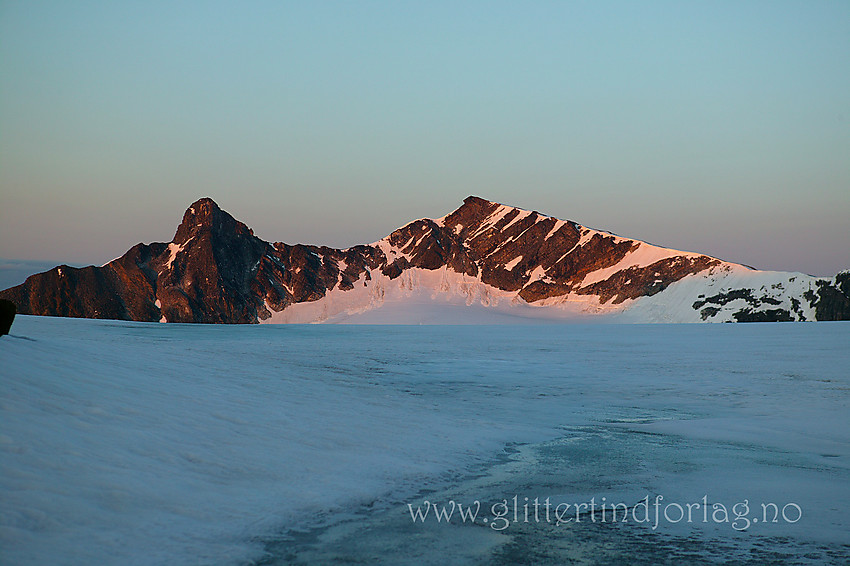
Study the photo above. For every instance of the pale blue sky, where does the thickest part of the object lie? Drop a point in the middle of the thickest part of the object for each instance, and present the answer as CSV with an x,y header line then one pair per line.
x,y
718,127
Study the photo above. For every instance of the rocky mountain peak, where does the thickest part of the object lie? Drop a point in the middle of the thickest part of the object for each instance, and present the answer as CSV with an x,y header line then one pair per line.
x,y
204,215
474,208
473,200
216,271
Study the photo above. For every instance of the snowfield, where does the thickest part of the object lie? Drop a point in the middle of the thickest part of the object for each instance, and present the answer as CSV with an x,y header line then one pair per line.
x,y
443,296
148,444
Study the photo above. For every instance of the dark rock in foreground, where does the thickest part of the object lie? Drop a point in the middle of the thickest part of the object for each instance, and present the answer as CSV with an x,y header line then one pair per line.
x,y
7,316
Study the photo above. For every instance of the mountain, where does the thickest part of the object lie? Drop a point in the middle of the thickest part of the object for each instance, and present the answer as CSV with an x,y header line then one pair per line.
x,y
484,258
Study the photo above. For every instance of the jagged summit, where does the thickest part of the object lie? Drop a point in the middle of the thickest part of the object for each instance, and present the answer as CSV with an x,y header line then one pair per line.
x,y
482,255
204,215
476,204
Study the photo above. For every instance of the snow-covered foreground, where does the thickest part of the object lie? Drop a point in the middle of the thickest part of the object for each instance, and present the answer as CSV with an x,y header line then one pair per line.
x,y
143,443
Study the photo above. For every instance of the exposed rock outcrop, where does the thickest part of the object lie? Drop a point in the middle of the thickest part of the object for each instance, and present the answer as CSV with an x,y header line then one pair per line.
x,y
7,316
215,270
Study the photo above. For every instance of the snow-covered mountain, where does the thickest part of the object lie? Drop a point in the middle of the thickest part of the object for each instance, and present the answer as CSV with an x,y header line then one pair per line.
x,y
484,262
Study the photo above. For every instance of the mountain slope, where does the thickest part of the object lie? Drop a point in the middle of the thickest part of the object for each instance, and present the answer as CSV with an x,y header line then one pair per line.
x,y
484,257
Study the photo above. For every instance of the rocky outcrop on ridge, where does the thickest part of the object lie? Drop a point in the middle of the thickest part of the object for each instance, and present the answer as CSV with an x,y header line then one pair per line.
x,y
215,270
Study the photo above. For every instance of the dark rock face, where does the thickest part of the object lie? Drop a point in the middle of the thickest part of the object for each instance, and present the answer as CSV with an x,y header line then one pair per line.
x,y
7,316
215,270
749,313
635,282
770,315
708,312
89,292
832,301
206,273
728,297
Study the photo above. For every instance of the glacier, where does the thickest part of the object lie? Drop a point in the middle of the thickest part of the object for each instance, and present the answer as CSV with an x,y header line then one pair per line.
x,y
144,443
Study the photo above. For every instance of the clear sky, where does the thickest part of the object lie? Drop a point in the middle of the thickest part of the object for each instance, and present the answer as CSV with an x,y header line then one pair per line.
x,y
718,127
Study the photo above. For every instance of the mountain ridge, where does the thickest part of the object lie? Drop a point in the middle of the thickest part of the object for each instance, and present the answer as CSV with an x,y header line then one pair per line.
x,y
511,260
